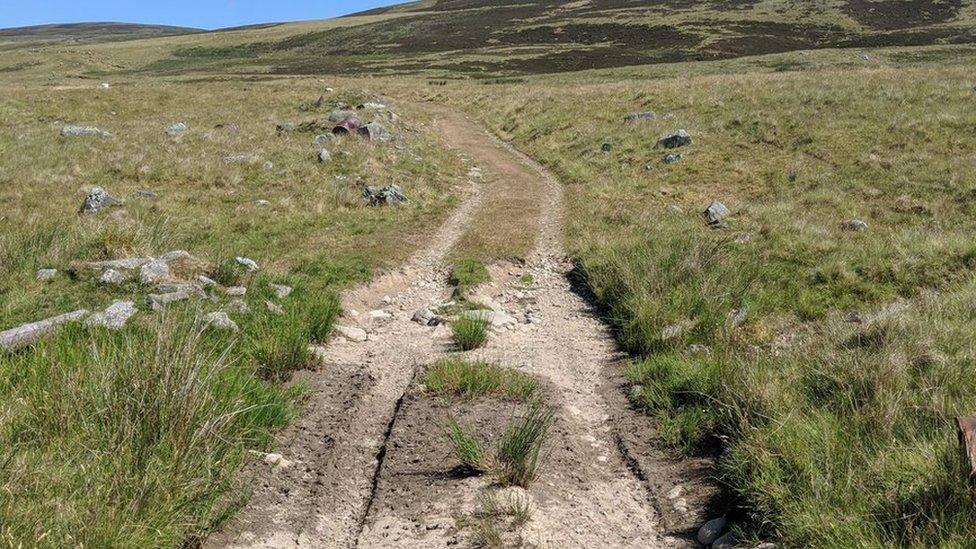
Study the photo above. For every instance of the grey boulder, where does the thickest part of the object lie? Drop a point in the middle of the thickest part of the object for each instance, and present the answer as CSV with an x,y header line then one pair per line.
x,y
389,195
854,225
247,263
715,214
176,129
325,156
711,530
111,277
220,321
375,131
84,131
674,140
154,271
281,291
29,334
97,199
114,317
46,274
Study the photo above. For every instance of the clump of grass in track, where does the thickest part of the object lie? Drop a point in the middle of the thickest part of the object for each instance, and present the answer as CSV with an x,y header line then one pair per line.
x,y
467,448
468,273
520,449
470,380
470,333
496,518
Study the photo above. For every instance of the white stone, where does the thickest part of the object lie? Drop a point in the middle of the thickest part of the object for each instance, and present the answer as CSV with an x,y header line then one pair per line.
x,y
111,276
46,274
248,263
281,291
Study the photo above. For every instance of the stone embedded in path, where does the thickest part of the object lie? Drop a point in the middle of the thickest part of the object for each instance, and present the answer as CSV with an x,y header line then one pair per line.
x,y
114,317
154,271
674,140
84,131
281,291
97,199
711,530
247,263
176,129
357,335
111,277
426,317
221,321
46,274
29,334
854,225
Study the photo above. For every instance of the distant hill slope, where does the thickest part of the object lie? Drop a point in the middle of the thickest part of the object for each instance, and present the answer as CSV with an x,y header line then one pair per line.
x,y
89,33
494,37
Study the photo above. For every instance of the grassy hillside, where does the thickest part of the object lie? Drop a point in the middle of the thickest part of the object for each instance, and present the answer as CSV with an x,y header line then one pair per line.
x,y
829,363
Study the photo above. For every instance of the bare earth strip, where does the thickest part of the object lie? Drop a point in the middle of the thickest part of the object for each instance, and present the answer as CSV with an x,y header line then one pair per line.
x,y
337,494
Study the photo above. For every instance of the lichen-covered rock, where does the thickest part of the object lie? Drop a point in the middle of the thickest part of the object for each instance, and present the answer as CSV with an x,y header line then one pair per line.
x,y
98,199
111,277
715,214
29,334
114,317
221,321
390,195
84,131
154,271
46,274
159,301
325,156
247,263
281,291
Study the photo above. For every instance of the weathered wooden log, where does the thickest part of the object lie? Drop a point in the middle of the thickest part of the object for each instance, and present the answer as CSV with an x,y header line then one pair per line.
x,y
967,446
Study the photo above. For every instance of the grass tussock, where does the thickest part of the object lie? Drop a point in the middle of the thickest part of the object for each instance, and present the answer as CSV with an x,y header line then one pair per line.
x,y
468,273
519,453
470,333
469,380
127,440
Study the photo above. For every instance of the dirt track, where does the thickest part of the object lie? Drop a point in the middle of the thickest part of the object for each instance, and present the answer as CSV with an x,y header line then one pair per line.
x,y
352,483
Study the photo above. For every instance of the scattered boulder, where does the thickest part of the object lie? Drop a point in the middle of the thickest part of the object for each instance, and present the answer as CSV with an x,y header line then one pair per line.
x,y
239,306
325,156
236,291
671,158
640,116
389,195
247,263
114,317
111,277
175,255
97,199
274,307
29,334
84,131
242,158
674,140
854,225
281,291
374,131
177,129
159,301
154,271
220,321
46,274
715,214
711,530
380,314
357,335
206,281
